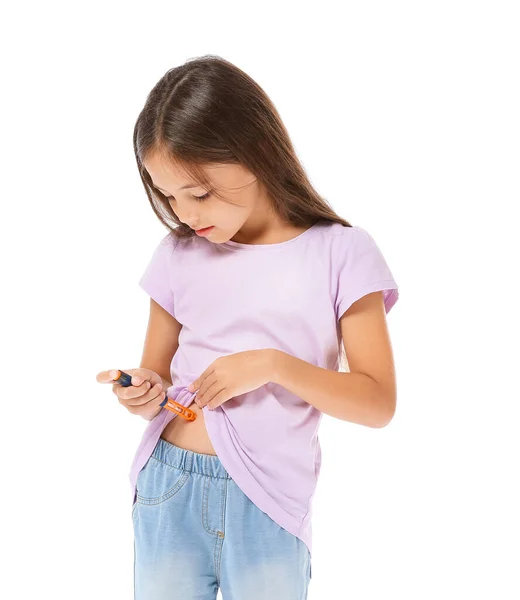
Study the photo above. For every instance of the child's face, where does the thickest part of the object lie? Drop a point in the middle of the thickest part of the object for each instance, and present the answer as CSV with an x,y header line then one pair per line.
x,y
237,185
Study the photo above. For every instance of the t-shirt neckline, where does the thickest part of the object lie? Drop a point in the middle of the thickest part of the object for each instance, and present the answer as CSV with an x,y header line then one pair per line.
x,y
241,246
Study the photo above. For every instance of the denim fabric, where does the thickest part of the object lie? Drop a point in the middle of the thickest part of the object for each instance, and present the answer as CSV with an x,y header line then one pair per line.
x,y
196,532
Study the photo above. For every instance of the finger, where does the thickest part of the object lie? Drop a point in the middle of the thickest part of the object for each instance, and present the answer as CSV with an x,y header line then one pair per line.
x,y
219,399
140,375
133,391
200,379
107,376
155,393
206,395
207,384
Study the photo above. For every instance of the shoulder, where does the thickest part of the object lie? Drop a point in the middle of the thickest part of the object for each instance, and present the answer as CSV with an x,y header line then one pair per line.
x,y
341,240
172,242
165,253
352,240
184,252
339,232
347,233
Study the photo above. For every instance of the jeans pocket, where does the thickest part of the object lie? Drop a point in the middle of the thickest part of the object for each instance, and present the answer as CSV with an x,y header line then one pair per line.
x,y
158,482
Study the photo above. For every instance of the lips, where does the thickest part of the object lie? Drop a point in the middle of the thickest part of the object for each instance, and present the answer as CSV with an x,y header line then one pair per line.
x,y
204,232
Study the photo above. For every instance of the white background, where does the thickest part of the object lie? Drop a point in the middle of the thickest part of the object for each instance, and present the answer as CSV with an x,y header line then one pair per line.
x,y
405,116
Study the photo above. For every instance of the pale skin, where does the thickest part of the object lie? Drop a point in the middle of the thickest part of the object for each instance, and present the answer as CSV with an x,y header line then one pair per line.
x,y
366,395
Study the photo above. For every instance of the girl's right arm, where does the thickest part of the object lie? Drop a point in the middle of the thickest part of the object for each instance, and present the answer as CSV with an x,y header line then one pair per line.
x,y
162,341
160,345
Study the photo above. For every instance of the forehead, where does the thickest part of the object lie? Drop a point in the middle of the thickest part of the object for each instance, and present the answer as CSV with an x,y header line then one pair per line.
x,y
165,173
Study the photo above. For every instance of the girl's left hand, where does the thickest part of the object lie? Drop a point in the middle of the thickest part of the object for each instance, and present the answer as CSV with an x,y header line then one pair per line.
x,y
232,375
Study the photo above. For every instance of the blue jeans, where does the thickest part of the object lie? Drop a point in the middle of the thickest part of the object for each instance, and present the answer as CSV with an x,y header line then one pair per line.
x,y
196,531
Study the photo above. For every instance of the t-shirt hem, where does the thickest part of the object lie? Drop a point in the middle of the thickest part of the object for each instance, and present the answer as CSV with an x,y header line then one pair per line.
x,y
251,489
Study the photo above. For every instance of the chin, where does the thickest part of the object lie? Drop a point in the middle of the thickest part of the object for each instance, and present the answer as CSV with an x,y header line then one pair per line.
x,y
214,237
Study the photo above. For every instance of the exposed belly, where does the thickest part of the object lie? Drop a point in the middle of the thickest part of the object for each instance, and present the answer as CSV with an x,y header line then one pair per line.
x,y
190,435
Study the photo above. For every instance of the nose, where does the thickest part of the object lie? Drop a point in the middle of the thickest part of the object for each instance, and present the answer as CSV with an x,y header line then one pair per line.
x,y
189,219
194,224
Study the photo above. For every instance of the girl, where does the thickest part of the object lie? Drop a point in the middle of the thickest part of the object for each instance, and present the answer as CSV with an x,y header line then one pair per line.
x,y
255,290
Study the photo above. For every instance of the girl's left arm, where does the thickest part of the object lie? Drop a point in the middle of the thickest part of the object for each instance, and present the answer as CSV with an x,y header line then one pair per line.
x,y
365,395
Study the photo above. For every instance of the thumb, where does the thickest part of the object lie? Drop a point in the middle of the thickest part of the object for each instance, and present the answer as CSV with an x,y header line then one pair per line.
x,y
140,375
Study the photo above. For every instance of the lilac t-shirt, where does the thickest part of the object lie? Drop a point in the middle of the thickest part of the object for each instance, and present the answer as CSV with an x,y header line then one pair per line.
x,y
231,297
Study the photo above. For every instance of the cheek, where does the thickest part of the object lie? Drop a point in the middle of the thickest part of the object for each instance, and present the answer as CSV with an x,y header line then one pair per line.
x,y
231,222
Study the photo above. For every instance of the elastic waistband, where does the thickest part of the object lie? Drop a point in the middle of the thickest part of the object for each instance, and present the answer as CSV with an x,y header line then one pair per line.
x,y
187,460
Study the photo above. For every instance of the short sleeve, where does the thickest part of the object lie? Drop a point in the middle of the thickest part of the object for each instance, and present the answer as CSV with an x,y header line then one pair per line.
x,y
360,269
156,280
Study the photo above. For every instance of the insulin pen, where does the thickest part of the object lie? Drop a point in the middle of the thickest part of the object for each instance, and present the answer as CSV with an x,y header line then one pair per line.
x,y
125,380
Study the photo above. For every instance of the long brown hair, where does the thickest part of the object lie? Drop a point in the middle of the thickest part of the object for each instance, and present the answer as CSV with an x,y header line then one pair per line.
x,y
208,111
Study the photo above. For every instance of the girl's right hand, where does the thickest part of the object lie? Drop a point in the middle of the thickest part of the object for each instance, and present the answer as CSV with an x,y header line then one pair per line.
x,y
141,398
